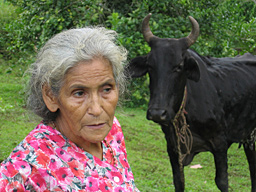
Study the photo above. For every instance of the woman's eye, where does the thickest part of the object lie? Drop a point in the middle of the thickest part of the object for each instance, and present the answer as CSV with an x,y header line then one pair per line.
x,y
107,89
79,93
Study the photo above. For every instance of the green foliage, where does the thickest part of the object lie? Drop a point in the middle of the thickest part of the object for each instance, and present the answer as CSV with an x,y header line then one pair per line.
x,y
227,28
7,15
40,20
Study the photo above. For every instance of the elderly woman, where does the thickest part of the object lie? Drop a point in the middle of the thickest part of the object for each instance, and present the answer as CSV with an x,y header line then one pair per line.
x,y
79,145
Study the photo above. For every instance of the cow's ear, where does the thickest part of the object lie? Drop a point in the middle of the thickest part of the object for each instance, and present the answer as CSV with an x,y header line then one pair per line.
x,y
137,67
191,68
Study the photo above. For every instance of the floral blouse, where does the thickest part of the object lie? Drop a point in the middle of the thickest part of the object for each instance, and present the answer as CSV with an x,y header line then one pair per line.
x,y
47,161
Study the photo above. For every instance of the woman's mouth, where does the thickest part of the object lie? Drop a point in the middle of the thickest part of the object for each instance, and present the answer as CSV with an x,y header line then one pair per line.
x,y
96,125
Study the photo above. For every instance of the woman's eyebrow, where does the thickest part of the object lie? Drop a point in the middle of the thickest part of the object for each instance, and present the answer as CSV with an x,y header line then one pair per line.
x,y
78,86
109,81
81,86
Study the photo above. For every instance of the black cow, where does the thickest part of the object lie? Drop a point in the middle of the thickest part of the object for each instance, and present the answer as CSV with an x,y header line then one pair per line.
x,y
215,97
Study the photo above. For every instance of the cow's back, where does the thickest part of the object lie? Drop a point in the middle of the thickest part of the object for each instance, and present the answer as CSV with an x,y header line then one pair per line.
x,y
223,101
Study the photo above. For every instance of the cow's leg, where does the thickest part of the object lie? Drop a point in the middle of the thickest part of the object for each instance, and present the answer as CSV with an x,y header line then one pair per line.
x,y
251,157
178,173
221,164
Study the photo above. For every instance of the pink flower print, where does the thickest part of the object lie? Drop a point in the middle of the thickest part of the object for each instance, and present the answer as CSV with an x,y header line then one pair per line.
x,y
109,137
45,148
15,186
23,167
29,137
116,122
119,138
9,170
94,173
121,144
119,189
79,156
92,184
39,181
77,169
123,160
64,175
57,189
98,161
115,176
20,154
54,162
42,159
105,186
34,143
51,181
3,185
128,174
63,154
57,139
109,157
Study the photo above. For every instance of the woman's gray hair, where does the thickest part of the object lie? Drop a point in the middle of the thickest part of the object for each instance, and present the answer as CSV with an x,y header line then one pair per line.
x,y
64,51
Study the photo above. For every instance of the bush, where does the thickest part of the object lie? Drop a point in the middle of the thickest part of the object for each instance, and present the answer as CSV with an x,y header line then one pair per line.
x,y
227,28
40,20
7,15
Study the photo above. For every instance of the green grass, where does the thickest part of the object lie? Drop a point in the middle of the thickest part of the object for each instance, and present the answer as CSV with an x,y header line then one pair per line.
x,y
147,155
145,143
15,122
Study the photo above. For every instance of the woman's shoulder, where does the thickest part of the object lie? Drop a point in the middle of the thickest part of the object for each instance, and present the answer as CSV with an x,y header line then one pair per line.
x,y
116,131
116,137
116,127
44,150
40,141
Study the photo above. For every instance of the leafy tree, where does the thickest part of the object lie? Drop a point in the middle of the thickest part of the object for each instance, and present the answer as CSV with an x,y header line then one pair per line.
x,y
7,15
227,27
40,20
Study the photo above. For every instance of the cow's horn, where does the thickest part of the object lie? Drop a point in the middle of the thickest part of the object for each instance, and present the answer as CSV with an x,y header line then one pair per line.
x,y
191,38
146,29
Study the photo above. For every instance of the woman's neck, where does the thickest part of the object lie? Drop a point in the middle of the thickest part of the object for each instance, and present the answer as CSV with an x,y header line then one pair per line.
x,y
94,148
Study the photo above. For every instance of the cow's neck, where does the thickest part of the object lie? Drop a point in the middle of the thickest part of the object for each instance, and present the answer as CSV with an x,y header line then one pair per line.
x,y
183,133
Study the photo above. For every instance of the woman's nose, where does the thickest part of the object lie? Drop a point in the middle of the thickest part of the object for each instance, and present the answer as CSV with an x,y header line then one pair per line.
x,y
95,106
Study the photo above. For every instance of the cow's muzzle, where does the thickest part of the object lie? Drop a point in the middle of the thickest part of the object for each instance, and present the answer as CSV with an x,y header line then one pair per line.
x,y
157,115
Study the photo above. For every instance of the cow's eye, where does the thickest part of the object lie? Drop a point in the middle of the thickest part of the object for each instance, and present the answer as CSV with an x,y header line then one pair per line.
x,y
178,68
150,69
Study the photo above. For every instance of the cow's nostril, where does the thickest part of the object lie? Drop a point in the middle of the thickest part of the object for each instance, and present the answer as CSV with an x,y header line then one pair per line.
x,y
157,115
149,116
163,116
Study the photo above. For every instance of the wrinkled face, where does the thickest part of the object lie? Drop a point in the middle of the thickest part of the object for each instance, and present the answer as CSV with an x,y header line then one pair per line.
x,y
87,102
167,80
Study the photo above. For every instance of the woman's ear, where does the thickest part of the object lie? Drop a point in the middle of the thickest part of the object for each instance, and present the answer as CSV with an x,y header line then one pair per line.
x,y
50,100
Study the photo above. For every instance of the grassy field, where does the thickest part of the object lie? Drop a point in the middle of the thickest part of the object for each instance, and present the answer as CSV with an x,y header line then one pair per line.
x,y
145,143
